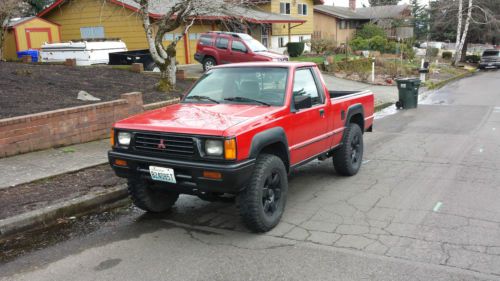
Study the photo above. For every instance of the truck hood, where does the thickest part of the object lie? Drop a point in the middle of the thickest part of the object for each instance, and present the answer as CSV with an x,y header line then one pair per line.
x,y
189,118
272,55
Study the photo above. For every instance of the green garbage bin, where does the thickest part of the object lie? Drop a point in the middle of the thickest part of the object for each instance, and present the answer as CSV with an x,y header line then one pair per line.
x,y
408,92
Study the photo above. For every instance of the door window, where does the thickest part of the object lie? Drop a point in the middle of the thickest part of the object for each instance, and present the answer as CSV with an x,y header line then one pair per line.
x,y
222,43
305,85
238,46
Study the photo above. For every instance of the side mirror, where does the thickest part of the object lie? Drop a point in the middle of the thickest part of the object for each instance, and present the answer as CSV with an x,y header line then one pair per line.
x,y
301,102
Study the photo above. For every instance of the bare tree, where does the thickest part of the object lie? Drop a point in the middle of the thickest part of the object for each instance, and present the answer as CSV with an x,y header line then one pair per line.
x,y
461,36
8,8
183,14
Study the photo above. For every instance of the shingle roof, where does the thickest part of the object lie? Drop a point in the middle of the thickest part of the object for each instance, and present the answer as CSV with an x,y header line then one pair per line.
x,y
339,12
382,12
376,12
158,8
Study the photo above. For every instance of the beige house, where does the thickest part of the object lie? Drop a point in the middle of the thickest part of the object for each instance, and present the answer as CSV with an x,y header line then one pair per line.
x,y
340,23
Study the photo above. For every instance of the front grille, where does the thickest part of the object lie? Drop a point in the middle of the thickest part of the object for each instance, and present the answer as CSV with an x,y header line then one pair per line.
x,y
167,144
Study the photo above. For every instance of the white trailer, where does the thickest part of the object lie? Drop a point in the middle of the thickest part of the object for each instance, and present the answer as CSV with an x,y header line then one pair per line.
x,y
85,52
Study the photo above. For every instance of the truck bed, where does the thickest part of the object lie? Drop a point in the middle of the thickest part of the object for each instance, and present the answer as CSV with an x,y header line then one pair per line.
x,y
338,94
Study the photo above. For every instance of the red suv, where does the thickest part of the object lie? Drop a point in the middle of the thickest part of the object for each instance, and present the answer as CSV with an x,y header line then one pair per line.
x,y
219,47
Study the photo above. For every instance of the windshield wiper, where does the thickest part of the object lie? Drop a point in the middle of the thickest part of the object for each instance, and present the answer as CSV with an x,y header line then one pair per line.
x,y
202,98
243,99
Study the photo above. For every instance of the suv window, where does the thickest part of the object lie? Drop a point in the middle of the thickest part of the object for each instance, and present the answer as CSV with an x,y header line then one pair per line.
x,y
206,40
221,43
238,46
305,84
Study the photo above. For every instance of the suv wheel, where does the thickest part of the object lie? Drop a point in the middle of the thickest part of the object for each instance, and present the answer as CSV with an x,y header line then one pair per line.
x,y
347,159
209,63
150,198
262,202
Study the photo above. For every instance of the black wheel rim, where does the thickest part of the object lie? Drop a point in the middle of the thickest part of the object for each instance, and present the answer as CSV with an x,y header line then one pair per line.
x,y
355,149
271,193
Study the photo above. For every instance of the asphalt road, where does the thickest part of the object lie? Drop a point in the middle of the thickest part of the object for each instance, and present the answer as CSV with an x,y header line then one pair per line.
x,y
425,206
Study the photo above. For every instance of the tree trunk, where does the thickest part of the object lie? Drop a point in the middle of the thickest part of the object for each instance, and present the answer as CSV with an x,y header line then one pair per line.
x,y
168,70
459,31
464,49
3,30
458,54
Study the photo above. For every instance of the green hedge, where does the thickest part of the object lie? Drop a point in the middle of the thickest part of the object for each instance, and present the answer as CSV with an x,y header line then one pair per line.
x,y
447,55
295,49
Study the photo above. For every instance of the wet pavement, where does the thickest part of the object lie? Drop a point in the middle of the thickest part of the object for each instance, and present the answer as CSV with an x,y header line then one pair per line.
x,y
423,207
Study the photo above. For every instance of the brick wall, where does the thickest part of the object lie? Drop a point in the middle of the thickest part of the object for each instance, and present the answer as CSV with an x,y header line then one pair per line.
x,y
65,126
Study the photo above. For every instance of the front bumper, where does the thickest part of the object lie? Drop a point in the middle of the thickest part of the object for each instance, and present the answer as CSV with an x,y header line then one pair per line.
x,y
188,174
489,64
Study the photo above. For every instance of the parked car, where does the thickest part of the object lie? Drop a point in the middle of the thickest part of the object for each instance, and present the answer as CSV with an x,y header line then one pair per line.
x,y
217,47
239,131
490,59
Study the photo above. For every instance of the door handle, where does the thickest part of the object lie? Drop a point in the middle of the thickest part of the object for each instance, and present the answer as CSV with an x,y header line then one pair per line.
x,y
322,112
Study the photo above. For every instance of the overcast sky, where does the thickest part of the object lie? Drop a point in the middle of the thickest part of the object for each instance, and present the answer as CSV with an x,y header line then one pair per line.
x,y
359,3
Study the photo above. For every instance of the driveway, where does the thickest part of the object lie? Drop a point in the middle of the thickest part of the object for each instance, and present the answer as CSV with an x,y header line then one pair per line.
x,y
423,207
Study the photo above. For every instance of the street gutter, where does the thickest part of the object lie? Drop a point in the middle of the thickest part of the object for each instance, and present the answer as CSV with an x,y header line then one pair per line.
x,y
48,216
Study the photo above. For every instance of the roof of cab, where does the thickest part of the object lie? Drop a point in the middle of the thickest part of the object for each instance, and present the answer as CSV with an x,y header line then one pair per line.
x,y
267,64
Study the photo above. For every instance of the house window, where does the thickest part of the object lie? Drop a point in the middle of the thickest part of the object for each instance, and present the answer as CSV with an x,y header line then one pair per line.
x,y
194,36
302,9
92,32
284,8
168,37
343,24
281,42
301,38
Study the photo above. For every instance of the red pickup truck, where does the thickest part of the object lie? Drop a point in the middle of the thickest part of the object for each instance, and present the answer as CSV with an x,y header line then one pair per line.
x,y
239,131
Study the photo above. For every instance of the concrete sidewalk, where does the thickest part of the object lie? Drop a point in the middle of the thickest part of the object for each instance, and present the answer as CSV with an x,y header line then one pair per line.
x,y
51,162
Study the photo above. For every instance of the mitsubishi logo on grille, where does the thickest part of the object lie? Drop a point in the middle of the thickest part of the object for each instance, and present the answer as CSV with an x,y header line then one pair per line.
x,y
162,145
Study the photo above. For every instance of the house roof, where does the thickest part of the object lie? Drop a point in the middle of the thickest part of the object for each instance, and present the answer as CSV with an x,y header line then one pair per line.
x,y
338,12
17,21
367,13
159,8
383,12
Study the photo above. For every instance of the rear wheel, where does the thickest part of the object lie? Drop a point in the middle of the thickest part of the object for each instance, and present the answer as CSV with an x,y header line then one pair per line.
x,y
209,63
150,198
263,201
347,159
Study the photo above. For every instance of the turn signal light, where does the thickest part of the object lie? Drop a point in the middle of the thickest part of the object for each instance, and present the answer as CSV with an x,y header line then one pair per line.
x,y
230,149
212,175
119,162
112,137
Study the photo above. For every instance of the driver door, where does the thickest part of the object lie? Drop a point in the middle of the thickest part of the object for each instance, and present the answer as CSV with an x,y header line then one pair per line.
x,y
309,126
238,52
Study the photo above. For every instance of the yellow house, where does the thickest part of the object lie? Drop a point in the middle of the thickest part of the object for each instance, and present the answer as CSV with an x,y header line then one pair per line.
x,y
93,19
28,33
277,35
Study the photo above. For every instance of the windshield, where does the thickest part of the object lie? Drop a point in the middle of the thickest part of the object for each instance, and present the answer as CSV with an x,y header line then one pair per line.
x,y
250,85
491,53
255,45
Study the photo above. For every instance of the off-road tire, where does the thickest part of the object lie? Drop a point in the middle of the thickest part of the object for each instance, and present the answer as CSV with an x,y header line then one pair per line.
x,y
255,197
208,63
348,158
150,198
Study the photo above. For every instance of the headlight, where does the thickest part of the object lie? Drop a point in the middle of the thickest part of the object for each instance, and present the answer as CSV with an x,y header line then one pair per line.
x,y
214,147
124,138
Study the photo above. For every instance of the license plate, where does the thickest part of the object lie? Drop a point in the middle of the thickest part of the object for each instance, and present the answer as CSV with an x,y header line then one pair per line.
x,y
162,174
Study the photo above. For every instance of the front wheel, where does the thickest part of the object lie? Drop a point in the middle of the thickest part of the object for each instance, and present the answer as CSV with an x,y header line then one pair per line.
x,y
209,63
262,202
347,159
149,197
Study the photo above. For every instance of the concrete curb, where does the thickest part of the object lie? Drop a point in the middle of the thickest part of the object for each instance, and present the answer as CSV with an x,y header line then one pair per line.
x,y
48,215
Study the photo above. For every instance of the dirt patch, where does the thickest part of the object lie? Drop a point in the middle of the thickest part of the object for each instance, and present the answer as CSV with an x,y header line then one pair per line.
x,y
33,88
36,195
